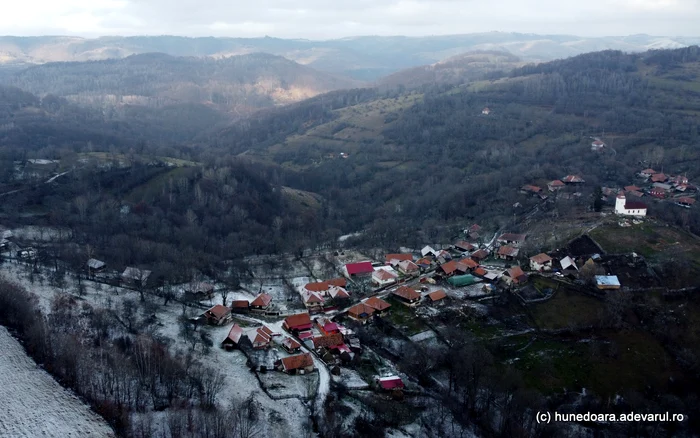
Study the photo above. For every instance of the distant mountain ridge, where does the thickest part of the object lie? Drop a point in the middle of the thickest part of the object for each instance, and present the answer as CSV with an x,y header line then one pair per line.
x,y
363,58
239,84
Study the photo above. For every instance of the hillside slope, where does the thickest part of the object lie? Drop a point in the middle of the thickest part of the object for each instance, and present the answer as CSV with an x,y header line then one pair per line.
x,y
240,84
453,161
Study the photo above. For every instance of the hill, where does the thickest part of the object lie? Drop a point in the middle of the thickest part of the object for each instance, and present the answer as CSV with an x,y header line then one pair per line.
x,y
239,84
455,70
364,58
454,162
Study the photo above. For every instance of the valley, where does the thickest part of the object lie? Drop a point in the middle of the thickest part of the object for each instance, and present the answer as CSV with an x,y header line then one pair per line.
x,y
444,254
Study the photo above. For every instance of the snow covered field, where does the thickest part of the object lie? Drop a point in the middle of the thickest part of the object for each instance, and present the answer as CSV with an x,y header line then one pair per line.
x,y
33,404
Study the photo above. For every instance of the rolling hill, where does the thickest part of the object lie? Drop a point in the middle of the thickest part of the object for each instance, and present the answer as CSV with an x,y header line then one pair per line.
x,y
239,84
365,58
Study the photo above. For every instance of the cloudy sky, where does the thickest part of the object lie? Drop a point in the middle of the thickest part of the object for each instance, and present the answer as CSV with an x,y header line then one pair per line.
x,y
324,19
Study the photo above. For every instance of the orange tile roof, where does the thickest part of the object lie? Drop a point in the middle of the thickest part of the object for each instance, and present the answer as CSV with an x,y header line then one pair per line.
x,y
437,295
297,320
298,361
262,300
377,303
406,293
359,309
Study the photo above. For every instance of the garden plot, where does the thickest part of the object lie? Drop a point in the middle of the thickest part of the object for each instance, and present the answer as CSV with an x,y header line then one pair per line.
x,y
33,404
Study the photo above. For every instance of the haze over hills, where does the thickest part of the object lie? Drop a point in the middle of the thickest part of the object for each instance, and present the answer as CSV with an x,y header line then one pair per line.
x,y
239,84
364,58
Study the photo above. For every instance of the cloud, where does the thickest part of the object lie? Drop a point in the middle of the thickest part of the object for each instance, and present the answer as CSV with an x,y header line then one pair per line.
x,y
319,19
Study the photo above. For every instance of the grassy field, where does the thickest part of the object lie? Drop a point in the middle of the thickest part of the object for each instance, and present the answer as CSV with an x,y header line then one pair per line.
x,y
568,308
404,319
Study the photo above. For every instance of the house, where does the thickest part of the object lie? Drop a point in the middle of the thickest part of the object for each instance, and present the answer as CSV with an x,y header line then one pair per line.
x,y
659,178
360,312
383,277
448,268
328,341
291,346
427,250
240,306
528,188
390,383
480,272
359,269
379,305
662,186
573,179
514,275
466,264
339,282
510,239
394,259
475,228
443,256
313,301
407,267
607,282
629,208
317,287
261,302
260,337
636,194
299,364
464,246
568,263
507,252
597,145
297,323
647,173
679,180
424,263
327,327
233,339
437,296
486,111
657,192
406,295
200,289
135,277
339,293
685,202
541,262
555,185
480,255
217,315
95,266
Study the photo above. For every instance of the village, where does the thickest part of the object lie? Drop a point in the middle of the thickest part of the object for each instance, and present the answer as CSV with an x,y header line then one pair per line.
x,y
299,328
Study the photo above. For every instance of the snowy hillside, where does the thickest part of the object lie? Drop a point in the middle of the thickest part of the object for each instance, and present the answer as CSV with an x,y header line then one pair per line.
x,y
33,404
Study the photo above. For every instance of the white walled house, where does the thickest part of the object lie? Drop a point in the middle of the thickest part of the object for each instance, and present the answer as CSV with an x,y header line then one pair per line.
x,y
629,208
541,262
383,277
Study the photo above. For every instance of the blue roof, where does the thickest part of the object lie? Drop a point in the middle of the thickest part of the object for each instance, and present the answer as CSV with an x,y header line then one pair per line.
x,y
607,280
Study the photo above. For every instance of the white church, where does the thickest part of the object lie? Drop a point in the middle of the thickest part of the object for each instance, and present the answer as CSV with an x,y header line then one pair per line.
x,y
629,208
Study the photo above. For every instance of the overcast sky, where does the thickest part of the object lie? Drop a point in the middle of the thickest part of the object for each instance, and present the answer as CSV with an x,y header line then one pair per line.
x,y
326,19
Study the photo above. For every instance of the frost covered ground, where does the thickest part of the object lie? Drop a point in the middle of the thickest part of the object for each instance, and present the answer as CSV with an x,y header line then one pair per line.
x,y
278,417
33,404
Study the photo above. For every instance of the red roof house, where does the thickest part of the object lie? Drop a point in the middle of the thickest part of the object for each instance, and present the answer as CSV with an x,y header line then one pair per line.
x,y
298,322
233,338
217,315
378,304
390,383
398,258
406,295
302,363
360,268
262,301
360,312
